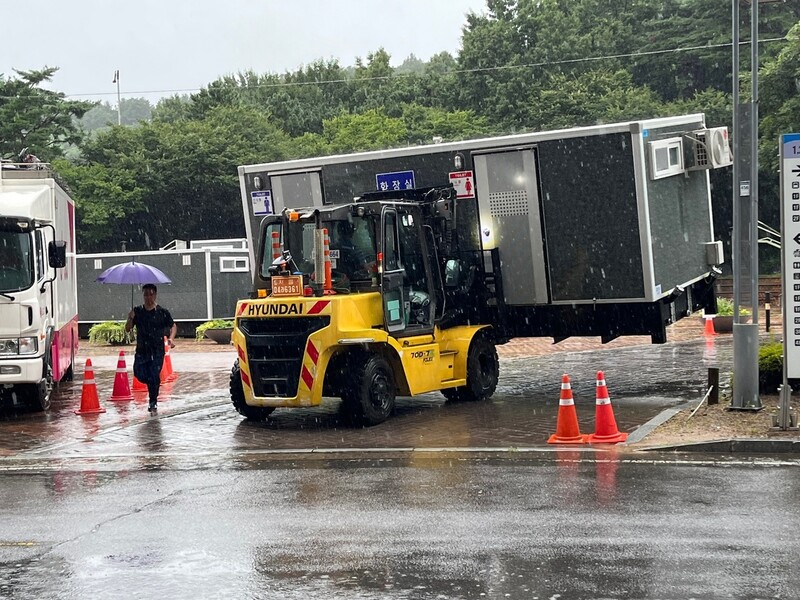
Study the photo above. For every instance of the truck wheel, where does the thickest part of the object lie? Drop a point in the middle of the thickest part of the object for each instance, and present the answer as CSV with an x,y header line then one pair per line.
x,y
370,395
483,370
40,394
252,413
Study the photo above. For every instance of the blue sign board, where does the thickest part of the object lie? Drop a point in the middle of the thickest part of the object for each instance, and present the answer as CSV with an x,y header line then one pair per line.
x,y
402,180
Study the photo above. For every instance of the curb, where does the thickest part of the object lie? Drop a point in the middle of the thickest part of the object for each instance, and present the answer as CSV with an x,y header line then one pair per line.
x,y
728,445
749,445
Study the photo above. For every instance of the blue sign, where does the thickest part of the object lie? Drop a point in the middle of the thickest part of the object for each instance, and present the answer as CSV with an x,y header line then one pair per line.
x,y
402,180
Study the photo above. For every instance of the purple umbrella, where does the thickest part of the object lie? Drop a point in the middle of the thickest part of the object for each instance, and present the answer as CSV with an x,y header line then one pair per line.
x,y
132,273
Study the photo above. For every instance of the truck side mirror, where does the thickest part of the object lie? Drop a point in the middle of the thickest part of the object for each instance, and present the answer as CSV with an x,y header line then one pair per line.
x,y
57,254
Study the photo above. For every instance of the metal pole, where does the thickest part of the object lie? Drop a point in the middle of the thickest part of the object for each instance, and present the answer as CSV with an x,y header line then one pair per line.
x,y
119,102
737,135
745,336
754,165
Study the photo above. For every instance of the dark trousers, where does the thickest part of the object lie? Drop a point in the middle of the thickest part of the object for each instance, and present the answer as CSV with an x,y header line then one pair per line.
x,y
147,369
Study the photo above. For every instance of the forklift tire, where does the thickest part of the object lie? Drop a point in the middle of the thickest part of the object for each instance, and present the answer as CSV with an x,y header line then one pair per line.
x,y
370,395
251,413
483,371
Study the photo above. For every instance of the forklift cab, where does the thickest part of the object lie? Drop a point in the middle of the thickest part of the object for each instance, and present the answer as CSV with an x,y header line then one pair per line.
x,y
374,246
408,278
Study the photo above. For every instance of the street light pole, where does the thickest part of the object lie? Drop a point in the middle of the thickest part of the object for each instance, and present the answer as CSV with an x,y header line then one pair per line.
x,y
745,224
119,101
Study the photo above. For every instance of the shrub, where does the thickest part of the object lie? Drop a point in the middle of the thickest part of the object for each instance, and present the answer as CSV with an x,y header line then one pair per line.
x,y
111,332
725,308
200,330
770,367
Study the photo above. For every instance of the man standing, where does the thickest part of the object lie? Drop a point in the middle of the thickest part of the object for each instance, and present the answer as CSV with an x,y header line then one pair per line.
x,y
152,322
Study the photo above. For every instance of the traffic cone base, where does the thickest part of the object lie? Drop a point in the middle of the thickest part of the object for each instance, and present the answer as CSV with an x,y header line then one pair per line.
x,y
122,388
606,439
556,439
605,431
567,430
90,402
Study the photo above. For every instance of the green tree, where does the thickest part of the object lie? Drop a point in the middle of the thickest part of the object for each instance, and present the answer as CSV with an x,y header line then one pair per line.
x,y
696,35
297,102
590,98
161,181
101,116
410,65
779,94
135,110
42,120
424,123
172,109
371,130
512,53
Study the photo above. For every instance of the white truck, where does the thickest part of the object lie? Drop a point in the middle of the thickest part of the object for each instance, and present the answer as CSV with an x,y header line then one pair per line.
x,y
38,292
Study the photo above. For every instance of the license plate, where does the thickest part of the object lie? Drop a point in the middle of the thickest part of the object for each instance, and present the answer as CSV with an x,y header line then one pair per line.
x,y
287,285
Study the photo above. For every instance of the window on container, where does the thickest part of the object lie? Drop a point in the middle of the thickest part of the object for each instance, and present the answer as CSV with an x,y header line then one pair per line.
x,y
233,264
666,158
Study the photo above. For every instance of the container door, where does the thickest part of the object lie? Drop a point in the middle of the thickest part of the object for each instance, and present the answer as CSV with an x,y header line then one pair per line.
x,y
510,220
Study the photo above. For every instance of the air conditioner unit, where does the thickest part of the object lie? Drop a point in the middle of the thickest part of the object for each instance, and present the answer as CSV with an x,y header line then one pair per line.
x,y
710,148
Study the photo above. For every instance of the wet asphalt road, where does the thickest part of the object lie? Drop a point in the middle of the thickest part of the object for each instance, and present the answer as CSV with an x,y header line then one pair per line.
x,y
197,427
563,524
442,501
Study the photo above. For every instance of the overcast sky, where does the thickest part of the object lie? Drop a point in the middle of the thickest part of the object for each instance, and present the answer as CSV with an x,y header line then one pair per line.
x,y
163,47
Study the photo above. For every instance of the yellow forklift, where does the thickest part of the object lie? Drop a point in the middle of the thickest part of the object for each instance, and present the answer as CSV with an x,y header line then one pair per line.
x,y
373,311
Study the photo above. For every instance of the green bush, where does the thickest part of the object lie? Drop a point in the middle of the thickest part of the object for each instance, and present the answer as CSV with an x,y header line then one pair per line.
x,y
200,330
770,367
111,332
725,308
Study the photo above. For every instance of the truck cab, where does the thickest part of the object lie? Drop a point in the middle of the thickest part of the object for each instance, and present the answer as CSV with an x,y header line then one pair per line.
x,y
38,299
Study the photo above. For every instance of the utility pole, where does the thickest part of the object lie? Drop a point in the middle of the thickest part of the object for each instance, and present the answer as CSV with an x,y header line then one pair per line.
x,y
745,225
119,101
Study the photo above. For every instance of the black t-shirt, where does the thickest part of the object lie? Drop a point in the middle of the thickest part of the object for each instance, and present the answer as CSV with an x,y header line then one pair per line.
x,y
151,327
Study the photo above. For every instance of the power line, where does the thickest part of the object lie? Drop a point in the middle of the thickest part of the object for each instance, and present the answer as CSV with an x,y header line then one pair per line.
x,y
553,63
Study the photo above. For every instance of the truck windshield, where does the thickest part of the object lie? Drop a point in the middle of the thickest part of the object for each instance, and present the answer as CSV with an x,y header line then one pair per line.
x,y
16,261
352,246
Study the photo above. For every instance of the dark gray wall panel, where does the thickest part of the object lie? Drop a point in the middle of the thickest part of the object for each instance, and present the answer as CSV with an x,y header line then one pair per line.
x,y
679,223
591,218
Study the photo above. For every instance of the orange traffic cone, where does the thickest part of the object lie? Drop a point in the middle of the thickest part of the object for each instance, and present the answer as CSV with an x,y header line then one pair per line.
x,y
90,403
167,374
709,329
567,431
605,426
122,388
138,386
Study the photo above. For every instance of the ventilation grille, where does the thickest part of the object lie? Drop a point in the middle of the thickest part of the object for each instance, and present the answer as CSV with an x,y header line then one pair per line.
x,y
701,151
508,204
